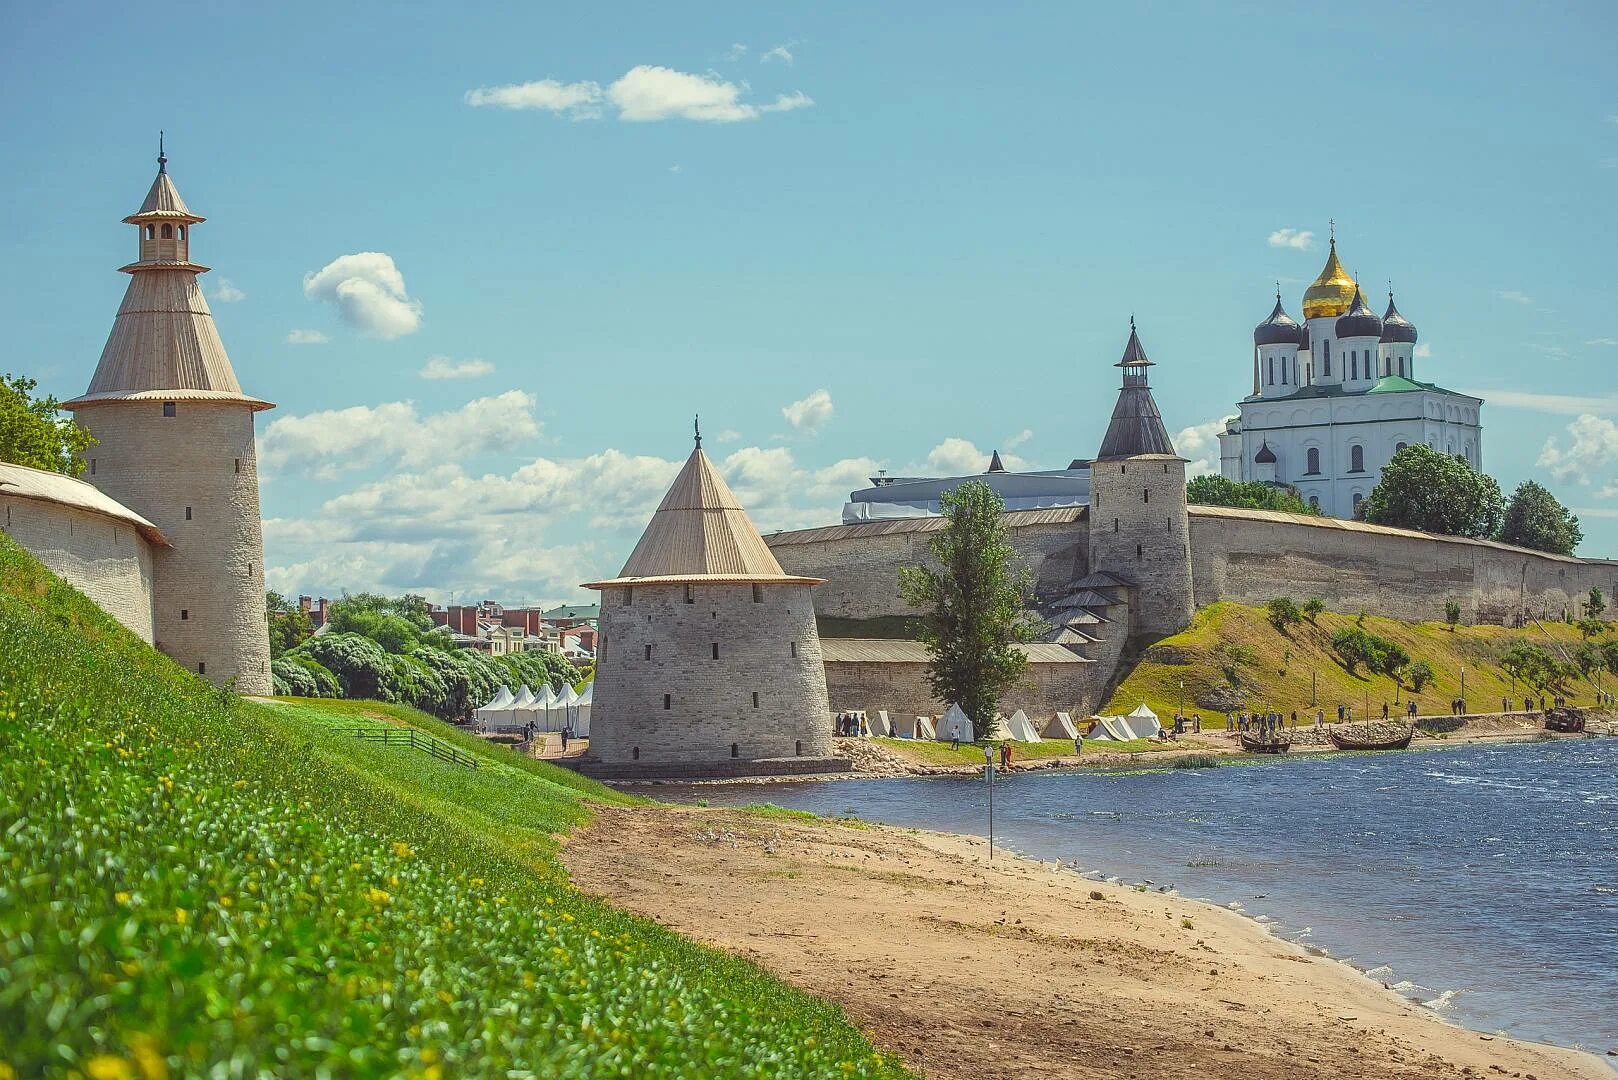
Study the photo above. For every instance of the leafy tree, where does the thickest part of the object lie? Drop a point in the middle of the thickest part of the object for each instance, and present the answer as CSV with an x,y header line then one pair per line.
x,y
362,668
1283,613
1588,658
1421,674
1589,628
1609,656
289,625
32,434
1353,647
1210,490
1391,658
973,597
300,675
1452,613
1535,519
1596,605
534,668
1425,489
1312,608
397,623
1534,665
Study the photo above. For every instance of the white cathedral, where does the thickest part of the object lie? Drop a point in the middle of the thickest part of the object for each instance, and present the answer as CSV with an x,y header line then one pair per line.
x,y
1335,398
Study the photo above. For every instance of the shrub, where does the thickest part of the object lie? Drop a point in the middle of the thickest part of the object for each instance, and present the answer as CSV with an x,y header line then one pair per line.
x,y
1452,612
1231,657
362,669
298,674
1312,608
1421,674
1283,613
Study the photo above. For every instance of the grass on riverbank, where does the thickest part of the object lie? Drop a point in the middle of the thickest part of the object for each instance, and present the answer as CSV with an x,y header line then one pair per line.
x,y
928,752
1280,677
199,885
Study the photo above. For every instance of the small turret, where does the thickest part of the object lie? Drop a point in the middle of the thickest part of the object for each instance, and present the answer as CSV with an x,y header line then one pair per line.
x,y
1358,332
1398,344
1276,343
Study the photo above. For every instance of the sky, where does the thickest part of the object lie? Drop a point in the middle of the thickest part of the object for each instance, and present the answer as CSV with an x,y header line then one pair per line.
x,y
489,263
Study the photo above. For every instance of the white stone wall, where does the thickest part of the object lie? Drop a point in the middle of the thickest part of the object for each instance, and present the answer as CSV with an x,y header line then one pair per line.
x,y
106,560
209,587
901,689
659,645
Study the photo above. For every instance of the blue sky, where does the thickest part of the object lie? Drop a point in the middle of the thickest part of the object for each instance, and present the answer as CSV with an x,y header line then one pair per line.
x,y
850,238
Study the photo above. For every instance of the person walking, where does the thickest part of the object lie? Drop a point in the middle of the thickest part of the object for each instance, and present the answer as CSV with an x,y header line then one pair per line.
x,y
567,733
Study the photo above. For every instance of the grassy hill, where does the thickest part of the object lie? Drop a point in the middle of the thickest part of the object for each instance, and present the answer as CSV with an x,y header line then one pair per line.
x,y
194,884
1280,677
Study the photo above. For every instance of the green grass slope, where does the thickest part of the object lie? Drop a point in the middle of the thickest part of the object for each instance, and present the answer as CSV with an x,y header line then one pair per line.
x,y
192,885
1280,678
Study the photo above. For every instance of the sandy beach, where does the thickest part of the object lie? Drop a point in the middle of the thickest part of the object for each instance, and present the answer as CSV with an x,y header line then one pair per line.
x,y
1015,968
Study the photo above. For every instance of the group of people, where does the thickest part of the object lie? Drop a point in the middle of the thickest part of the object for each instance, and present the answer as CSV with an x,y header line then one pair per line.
x,y
852,724
1265,725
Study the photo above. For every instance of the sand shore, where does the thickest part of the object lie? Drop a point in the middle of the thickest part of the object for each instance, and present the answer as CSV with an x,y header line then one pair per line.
x,y
1016,968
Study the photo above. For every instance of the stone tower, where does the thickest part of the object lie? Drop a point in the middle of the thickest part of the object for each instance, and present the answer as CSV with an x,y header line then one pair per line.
x,y
1139,530
174,443
708,654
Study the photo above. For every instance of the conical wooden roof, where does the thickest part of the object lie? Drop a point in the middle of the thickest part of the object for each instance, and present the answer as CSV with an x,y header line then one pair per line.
x,y
163,201
700,533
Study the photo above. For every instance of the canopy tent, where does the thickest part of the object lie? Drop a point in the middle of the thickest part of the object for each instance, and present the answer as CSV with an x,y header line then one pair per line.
x,y
524,701
923,728
581,710
1140,724
566,700
878,724
1061,726
1020,728
498,709
955,725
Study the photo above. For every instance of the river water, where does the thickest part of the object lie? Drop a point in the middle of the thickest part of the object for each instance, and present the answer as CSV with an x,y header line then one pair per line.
x,y
1479,880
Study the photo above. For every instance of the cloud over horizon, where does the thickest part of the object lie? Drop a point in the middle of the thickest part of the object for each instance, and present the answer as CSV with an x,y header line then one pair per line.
x,y
643,94
809,414
368,292
1297,239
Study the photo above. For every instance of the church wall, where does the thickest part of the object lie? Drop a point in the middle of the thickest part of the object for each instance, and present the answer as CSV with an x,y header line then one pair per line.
x,y
710,701
106,560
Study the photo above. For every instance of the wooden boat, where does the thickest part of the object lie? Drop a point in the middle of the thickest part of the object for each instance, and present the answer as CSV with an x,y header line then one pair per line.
x,y
1254,745
1348,742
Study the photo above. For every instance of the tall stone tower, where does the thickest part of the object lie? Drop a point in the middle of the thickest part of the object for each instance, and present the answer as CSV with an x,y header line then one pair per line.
x,y
174,443
708,654
1139,530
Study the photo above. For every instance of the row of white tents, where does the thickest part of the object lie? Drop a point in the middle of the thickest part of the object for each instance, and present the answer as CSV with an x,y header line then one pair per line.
x,y
955,724
508,713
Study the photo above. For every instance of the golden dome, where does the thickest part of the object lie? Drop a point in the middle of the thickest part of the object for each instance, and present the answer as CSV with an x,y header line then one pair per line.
x,y
1332,292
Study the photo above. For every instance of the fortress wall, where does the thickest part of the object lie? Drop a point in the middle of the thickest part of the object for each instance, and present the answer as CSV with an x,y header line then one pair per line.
x,y
106,560
861,565
901,688
1254,559
659,644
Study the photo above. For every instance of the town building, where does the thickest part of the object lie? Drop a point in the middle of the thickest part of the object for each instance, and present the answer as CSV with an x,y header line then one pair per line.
x,y
709,657
1337,396
921,496
172,479
493,628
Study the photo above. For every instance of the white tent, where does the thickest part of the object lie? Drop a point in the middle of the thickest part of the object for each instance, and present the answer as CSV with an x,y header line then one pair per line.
x,y
555,715
566,700
1061,726
923,728
955,725
1020,728
878,724
1143,723
581,710
498,710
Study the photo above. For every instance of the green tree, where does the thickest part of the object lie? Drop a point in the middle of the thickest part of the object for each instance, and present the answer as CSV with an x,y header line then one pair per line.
x,y
1425,489
974,600
1589,628
1596,605
32,434
1452,613
1312,608
1283,613
1535,519
301,675
1231,657
1421,675
289,625
1534,665
1211,490
362,669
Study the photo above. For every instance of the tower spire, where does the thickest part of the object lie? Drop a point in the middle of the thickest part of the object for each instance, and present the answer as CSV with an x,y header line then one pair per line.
x,y
696,426
162,159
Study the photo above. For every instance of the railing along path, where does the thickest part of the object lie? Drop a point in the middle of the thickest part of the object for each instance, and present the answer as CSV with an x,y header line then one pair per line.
x,y
416,740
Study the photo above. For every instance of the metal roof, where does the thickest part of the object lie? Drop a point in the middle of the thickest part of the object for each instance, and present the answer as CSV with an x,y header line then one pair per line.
x,y
1060,515
19,481
700,533
899,651
1136,427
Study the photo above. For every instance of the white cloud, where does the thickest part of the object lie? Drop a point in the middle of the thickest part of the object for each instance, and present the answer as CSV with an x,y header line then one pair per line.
x,y
780,52
306,337
1565,404
1018,439
729,435
369,293
1592,450
787,102
676,168
334,440
956,456
226,293
1297,239
1199,445
1603,342
442,367
1422,352
1515,296
578,100
736,51
810,413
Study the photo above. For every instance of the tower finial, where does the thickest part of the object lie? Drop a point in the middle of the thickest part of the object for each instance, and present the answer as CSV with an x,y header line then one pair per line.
x,y
162,159
696,426
1331,223
1131,322
1390,290
1277,292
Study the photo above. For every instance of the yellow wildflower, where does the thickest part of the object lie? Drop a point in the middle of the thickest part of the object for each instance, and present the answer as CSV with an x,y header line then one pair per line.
x,y
121,897
108,1067
147,1056
377,896
180,915
402,849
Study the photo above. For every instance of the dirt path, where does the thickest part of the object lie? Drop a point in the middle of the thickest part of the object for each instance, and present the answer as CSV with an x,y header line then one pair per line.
x,y
1016,971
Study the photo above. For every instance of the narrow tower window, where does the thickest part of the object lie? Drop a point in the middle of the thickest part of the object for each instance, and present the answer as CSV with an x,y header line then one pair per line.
x,y
1325,359
188,513
668,702
1314,460
1146,495
168,408
794,650
185,614
634,752
758,593
1114,524
716,650
690,598
755,699
1137,551
648,652
151,232
92,466
168,232
1356,458
238,464
1272,371
735,750
202,668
